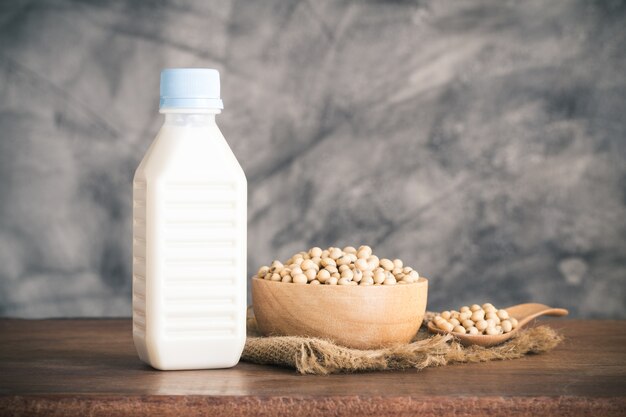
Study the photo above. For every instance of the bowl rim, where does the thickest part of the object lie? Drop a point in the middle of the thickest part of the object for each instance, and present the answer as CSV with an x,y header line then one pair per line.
x,y
421,281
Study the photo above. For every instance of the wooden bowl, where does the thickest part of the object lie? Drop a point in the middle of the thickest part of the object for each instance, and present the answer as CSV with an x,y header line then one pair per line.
x,y
353,316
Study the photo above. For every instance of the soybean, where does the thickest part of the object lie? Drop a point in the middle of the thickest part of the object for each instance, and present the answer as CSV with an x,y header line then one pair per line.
x,y
476,320
347,266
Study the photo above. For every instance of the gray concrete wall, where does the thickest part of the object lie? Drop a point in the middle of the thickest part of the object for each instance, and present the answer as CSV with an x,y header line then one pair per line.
x,y
483,142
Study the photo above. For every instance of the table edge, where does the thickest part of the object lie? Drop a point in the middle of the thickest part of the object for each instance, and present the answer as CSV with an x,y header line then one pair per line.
x,y
254,405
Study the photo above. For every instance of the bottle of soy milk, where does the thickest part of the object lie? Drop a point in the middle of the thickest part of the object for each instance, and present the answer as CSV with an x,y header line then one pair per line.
x,y
189,233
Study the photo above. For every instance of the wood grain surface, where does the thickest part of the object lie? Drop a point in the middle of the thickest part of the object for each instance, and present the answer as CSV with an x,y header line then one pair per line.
x,y
89,367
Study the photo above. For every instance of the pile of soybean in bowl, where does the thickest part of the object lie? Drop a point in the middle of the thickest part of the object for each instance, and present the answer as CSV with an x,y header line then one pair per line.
x,y
476,320
336,266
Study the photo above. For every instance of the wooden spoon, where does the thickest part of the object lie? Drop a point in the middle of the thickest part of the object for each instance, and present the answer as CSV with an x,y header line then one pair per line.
x,y
524,313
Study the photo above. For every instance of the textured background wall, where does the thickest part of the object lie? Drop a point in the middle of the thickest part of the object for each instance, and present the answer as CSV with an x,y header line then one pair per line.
x,y
483,142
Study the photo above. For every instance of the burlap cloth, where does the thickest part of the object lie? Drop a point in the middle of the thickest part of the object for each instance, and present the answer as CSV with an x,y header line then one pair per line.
x,y
321,357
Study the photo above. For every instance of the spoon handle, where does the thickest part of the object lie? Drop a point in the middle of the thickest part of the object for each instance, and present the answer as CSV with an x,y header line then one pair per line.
x,y
530,311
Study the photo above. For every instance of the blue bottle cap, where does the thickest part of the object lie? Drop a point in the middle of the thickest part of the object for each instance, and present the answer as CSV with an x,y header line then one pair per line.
x,y
190,88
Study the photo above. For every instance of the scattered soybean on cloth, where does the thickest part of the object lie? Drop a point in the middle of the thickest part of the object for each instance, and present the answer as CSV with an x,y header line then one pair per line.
x,y
322,357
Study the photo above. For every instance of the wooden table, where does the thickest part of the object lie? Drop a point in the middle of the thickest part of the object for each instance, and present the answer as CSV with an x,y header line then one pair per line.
x,y
89,367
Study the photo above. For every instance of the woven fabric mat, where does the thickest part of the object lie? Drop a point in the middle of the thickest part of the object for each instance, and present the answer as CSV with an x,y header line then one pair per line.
x,y
309,355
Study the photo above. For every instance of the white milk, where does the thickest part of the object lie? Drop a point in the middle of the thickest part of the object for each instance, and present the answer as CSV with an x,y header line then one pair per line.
x,y
189,234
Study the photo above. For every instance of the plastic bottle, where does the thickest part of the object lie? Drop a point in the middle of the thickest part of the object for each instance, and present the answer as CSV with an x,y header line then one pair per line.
x,y
189,233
